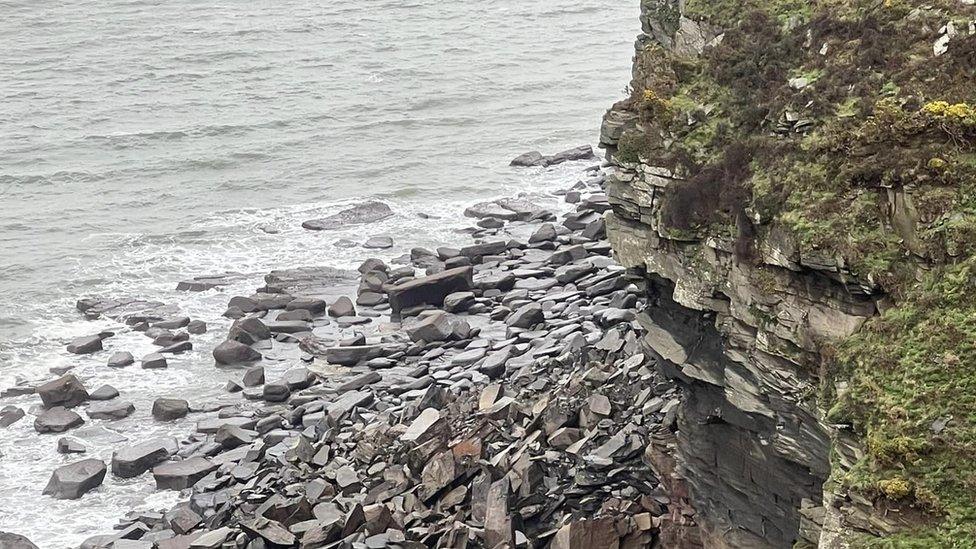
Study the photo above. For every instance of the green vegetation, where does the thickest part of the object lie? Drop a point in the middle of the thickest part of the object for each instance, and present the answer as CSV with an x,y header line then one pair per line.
x,y
872,160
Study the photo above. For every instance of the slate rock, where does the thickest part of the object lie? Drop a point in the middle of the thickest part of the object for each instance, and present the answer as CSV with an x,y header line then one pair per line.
x,y
110,410
378,243
180,475
68,445
154,361
105,392
74,480
196,327
342,307
66,391
121,359
526,316
429,290
85,345
135,460
15,541
10,415
57,420
367,212
232,352
170,409
249,330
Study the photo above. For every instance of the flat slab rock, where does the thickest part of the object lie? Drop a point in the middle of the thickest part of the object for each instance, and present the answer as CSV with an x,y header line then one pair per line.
x,y
75,479
208,282
180,475
125,309
535,158
429,289
308,281
368,212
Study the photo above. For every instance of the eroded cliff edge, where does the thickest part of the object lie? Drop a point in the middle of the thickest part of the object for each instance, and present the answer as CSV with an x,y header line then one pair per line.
x,y
795,180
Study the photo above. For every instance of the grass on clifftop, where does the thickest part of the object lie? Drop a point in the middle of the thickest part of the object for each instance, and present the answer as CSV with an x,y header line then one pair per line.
x,y
835,119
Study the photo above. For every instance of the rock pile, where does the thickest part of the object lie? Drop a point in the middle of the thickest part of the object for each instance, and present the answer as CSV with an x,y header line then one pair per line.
x,y
497,398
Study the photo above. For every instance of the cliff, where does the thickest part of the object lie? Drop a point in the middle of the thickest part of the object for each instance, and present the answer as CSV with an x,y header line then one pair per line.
x,y
795,183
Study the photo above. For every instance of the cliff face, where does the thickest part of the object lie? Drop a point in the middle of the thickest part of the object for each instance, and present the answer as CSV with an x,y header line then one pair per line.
x,y
790,181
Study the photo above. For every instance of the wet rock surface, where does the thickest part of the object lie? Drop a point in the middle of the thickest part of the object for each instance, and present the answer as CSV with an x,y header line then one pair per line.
x,y
492,394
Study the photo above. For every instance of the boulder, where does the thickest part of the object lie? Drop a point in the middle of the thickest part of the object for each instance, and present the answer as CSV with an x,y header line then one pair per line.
x,y
545,233
526,316
438,326
121,359
196,327
477,251
253,376
378,243
180,475
312,305
342,307
276,392
458,301
105,392
429,289
368,212
234,352
583,152
67,445
170,409
65,391
10,415
135,460
110,410
154,361
15,541
57,420
533,158
85,345
73,480
249,331
173,323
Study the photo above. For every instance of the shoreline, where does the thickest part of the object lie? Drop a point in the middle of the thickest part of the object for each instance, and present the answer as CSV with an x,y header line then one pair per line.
x,y
489,335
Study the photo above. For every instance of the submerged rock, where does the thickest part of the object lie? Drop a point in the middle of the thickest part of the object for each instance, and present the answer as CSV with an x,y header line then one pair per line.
x,y
368,212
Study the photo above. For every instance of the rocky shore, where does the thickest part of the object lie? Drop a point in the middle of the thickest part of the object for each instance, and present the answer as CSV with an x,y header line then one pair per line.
x,y
494,395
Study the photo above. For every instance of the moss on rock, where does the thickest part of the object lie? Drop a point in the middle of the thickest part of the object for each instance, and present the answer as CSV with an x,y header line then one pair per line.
x,y
852,124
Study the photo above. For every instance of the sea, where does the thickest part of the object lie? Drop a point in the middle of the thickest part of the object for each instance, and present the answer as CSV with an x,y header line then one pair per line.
x,y
147,142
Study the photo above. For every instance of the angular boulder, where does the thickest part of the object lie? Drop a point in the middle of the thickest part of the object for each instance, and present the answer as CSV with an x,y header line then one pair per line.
x,y
526,316
10,415
180,475
57,420
121,359
170,409
75,479
85,345
438,326
65,391
135,460
15,541
110,410
429,289
234,352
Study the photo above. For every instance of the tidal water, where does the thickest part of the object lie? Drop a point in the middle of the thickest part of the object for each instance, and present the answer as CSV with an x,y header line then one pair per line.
x,y
142,143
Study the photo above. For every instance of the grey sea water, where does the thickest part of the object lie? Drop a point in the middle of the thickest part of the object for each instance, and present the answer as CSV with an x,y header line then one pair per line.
x,y
145,142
